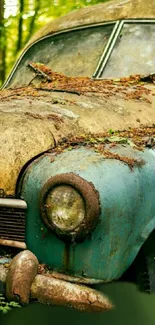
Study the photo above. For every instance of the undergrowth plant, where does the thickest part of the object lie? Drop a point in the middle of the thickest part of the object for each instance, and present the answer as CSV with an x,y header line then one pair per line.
x,y
6,306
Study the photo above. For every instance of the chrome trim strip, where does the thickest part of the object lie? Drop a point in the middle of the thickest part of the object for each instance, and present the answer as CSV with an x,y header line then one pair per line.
x,y
105,56
110,41
13,243
13,203
139,20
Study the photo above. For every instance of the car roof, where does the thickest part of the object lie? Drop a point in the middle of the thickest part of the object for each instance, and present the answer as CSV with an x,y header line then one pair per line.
x,y
103,12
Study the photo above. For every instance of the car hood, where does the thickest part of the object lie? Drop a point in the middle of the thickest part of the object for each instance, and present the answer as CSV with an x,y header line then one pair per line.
x,y
32,122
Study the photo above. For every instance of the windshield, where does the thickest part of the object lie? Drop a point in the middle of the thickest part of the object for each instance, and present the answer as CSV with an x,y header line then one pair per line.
x,y
101,51
133,53
74,53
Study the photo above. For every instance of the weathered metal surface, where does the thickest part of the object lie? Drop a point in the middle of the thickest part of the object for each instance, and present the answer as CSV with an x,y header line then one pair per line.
x,y
113,10
27,129
58,292
20,276
127,211
90,207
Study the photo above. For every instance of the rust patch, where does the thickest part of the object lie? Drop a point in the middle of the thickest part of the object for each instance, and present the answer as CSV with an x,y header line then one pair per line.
x,y
58,292
21,273
131,162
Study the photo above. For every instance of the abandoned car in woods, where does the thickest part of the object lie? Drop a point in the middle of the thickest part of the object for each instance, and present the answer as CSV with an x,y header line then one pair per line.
x,y
77,159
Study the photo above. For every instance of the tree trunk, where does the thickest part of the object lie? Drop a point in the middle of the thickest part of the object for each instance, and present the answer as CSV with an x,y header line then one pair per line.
x,y
33,20
20,27
2,44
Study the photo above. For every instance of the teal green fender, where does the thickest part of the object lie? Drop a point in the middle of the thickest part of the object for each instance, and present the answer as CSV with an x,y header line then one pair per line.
x,y
127,201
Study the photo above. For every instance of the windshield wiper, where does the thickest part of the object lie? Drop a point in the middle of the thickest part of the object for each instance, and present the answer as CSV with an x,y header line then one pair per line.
x,y
39,73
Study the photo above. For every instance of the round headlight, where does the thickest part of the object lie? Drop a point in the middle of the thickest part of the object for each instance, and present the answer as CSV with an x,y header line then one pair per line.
x,y
69,206
65,207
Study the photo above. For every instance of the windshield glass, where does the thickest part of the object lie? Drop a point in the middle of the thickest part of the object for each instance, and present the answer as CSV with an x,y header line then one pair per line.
x,y
134,51
74,53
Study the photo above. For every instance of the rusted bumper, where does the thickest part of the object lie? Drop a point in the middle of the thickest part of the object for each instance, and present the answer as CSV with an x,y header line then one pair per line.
x,y
23,284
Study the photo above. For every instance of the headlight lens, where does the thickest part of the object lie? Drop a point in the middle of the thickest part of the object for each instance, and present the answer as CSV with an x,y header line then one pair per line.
x,y
69,206
65,207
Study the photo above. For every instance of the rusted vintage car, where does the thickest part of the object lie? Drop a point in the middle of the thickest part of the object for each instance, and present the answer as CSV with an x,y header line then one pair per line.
x,y
77,159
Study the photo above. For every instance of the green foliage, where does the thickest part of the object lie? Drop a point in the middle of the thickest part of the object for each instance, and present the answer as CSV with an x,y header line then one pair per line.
x,y
111,131
6,306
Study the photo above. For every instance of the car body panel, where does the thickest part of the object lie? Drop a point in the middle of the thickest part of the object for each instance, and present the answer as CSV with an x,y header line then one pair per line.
x,y
127,211
34,118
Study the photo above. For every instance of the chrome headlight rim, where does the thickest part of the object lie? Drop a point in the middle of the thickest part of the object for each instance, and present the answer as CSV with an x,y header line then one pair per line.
x,y
90,197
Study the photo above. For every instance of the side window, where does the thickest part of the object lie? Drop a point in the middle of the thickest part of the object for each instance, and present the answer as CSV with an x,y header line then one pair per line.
x,y
134,51
73,53
77,53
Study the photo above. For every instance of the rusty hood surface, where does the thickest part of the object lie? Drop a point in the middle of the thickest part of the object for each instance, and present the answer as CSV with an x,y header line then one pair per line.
x,y
33,120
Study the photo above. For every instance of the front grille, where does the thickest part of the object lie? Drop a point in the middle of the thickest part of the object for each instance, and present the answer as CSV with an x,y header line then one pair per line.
x,y
12,222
